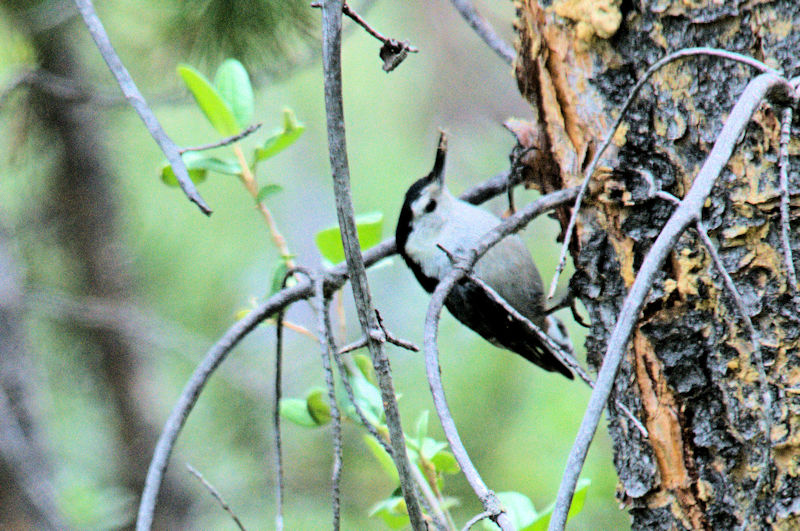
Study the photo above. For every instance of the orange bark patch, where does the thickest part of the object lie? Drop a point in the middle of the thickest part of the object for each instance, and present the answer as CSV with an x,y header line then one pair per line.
x,y
666,434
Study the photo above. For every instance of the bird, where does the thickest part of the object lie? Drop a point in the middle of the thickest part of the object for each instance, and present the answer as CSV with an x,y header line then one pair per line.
x,y
433,223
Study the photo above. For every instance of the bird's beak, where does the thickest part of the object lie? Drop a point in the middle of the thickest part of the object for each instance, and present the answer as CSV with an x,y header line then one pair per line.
x,y
437,172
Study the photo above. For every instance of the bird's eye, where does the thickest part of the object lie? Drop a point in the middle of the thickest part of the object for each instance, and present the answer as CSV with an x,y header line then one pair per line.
x,y
430,206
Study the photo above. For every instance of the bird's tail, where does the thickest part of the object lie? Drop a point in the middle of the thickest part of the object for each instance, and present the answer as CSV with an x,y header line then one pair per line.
x,y
473,306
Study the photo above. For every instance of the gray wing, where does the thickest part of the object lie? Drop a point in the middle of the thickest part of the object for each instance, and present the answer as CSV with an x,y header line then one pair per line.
x,y
509,269
470,304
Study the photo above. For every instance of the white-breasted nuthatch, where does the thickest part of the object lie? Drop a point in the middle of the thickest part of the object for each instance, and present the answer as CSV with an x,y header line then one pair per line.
x,y
431,217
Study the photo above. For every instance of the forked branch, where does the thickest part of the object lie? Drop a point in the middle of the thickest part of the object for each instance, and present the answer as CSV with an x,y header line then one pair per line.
x,y
334,279
337,148
461,268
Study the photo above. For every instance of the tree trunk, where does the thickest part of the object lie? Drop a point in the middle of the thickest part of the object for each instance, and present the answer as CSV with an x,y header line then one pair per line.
x,y
27,496
84,215
689,373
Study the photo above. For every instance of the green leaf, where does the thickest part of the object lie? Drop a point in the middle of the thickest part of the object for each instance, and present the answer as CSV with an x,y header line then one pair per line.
x,y
210,101
267,190
422,427
296,410
277,277
542,521
392,511
431,447
445,463
364,365
228,166
368,398
280,139
168,177
233,84
199,165
385,460
318,407
369,227
519,508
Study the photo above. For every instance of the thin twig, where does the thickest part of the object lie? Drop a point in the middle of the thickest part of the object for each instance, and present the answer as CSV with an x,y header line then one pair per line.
x,y
355,345
393,52
322,307
758,361
335,278
251,185
783,164
217,496
485,30
489,500
391,338
687,213
428,497
350,12
294,327
276,408
225,141
560,354
276,426
138,102
334,113
475,519
562,259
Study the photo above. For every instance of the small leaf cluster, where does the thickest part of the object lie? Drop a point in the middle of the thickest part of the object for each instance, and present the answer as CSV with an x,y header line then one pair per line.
x,y
228,105
431,456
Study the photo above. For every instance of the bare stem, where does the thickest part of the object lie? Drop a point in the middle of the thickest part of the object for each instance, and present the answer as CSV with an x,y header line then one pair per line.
x,y
334,112
322,307
783,162
251,185
225,141
217,496
276,409
439,517
484,30
138,102
350,12
299,329
475,519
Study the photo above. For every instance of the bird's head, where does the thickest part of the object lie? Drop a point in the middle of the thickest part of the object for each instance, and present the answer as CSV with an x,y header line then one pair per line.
x,y
427,198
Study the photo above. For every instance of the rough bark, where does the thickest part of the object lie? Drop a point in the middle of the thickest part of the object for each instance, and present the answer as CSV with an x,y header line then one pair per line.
x,y
689,372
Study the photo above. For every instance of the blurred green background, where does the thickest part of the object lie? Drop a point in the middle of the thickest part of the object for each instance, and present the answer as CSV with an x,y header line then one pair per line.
x,y
185,276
